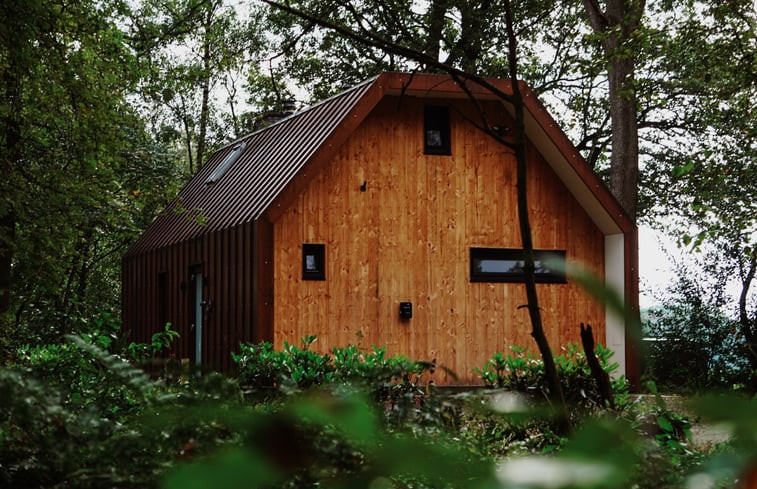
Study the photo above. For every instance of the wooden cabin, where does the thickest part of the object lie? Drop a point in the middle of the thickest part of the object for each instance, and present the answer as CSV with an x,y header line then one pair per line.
x,y
383,216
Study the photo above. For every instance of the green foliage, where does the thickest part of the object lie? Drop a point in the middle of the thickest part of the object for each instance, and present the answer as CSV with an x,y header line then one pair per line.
x,y
332,439
202,432
79,416
694,346
81,174
92,377
300,368
388,378
522,371
261,366
159,342
38,435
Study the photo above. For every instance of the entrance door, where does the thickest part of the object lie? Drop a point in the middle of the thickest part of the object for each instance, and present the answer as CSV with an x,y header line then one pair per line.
x,y
197,303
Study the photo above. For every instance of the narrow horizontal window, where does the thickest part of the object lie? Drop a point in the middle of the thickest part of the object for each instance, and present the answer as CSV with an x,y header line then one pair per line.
x,y
313,261
226,163
506,265
436,131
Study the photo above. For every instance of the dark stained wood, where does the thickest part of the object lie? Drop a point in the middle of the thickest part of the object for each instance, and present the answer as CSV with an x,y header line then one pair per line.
x,y
262,281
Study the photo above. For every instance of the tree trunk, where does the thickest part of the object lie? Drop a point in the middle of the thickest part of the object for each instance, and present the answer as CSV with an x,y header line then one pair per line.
x,y
552,378
624,160
616,25
602,378
205,88
749,325
187,133
436,12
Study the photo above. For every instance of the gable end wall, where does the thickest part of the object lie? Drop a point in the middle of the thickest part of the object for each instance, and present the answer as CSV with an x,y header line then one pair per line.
x,y
407,238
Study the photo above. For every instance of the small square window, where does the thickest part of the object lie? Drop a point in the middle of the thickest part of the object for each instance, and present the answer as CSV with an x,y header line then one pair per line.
x,y
436,131
506,265
313,261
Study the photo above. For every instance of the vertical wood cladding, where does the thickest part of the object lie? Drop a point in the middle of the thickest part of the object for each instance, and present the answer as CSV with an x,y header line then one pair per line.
x,y
226,260
407,238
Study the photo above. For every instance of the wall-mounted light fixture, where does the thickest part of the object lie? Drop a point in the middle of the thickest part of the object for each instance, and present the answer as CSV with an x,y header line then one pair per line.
x,y
406,310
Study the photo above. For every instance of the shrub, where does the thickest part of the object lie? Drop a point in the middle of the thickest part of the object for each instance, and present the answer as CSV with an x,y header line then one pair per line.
x,y
693,343
300,368
159,342
693,346
83,381
523,371
91,370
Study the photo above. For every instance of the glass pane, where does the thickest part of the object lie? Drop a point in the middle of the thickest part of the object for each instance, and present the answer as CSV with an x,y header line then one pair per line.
x,y
434,138
499,266
310,263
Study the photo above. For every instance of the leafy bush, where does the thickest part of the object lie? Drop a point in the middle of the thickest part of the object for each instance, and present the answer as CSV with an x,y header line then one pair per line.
x,y
693,347
91,369
82,379
692,344
76,415
300,368
261,366
332,438
159,342
523,371
674,429
204,433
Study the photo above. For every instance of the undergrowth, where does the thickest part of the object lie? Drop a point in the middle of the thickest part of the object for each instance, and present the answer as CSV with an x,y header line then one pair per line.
x,y
79,414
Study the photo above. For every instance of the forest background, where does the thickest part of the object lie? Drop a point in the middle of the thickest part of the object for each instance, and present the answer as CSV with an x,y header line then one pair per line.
x,y
108,107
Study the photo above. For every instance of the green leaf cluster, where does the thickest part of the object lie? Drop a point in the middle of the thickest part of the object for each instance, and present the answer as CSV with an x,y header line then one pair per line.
x,y
301,368
522,371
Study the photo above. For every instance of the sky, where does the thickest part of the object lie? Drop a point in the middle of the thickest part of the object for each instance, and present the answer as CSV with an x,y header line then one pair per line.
x,y
655,264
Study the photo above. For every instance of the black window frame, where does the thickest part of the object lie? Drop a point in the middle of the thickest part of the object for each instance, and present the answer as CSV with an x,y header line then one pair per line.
x,y
549,276
437,118
318,252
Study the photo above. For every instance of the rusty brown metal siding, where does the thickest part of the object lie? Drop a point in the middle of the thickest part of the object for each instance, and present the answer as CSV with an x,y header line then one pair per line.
x,y
226,258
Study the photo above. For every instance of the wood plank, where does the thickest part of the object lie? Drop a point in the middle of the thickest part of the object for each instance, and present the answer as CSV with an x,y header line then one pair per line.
x,y
408,238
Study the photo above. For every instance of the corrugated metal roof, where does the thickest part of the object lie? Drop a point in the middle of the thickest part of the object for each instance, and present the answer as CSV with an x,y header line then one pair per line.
x,y
271,158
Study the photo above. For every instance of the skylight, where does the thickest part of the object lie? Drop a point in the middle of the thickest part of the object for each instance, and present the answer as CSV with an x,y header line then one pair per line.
x,y
226,163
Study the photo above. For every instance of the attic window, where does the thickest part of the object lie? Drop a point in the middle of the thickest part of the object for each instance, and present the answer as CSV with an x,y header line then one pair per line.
x,y
313,261
436,131
226,163
506,265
